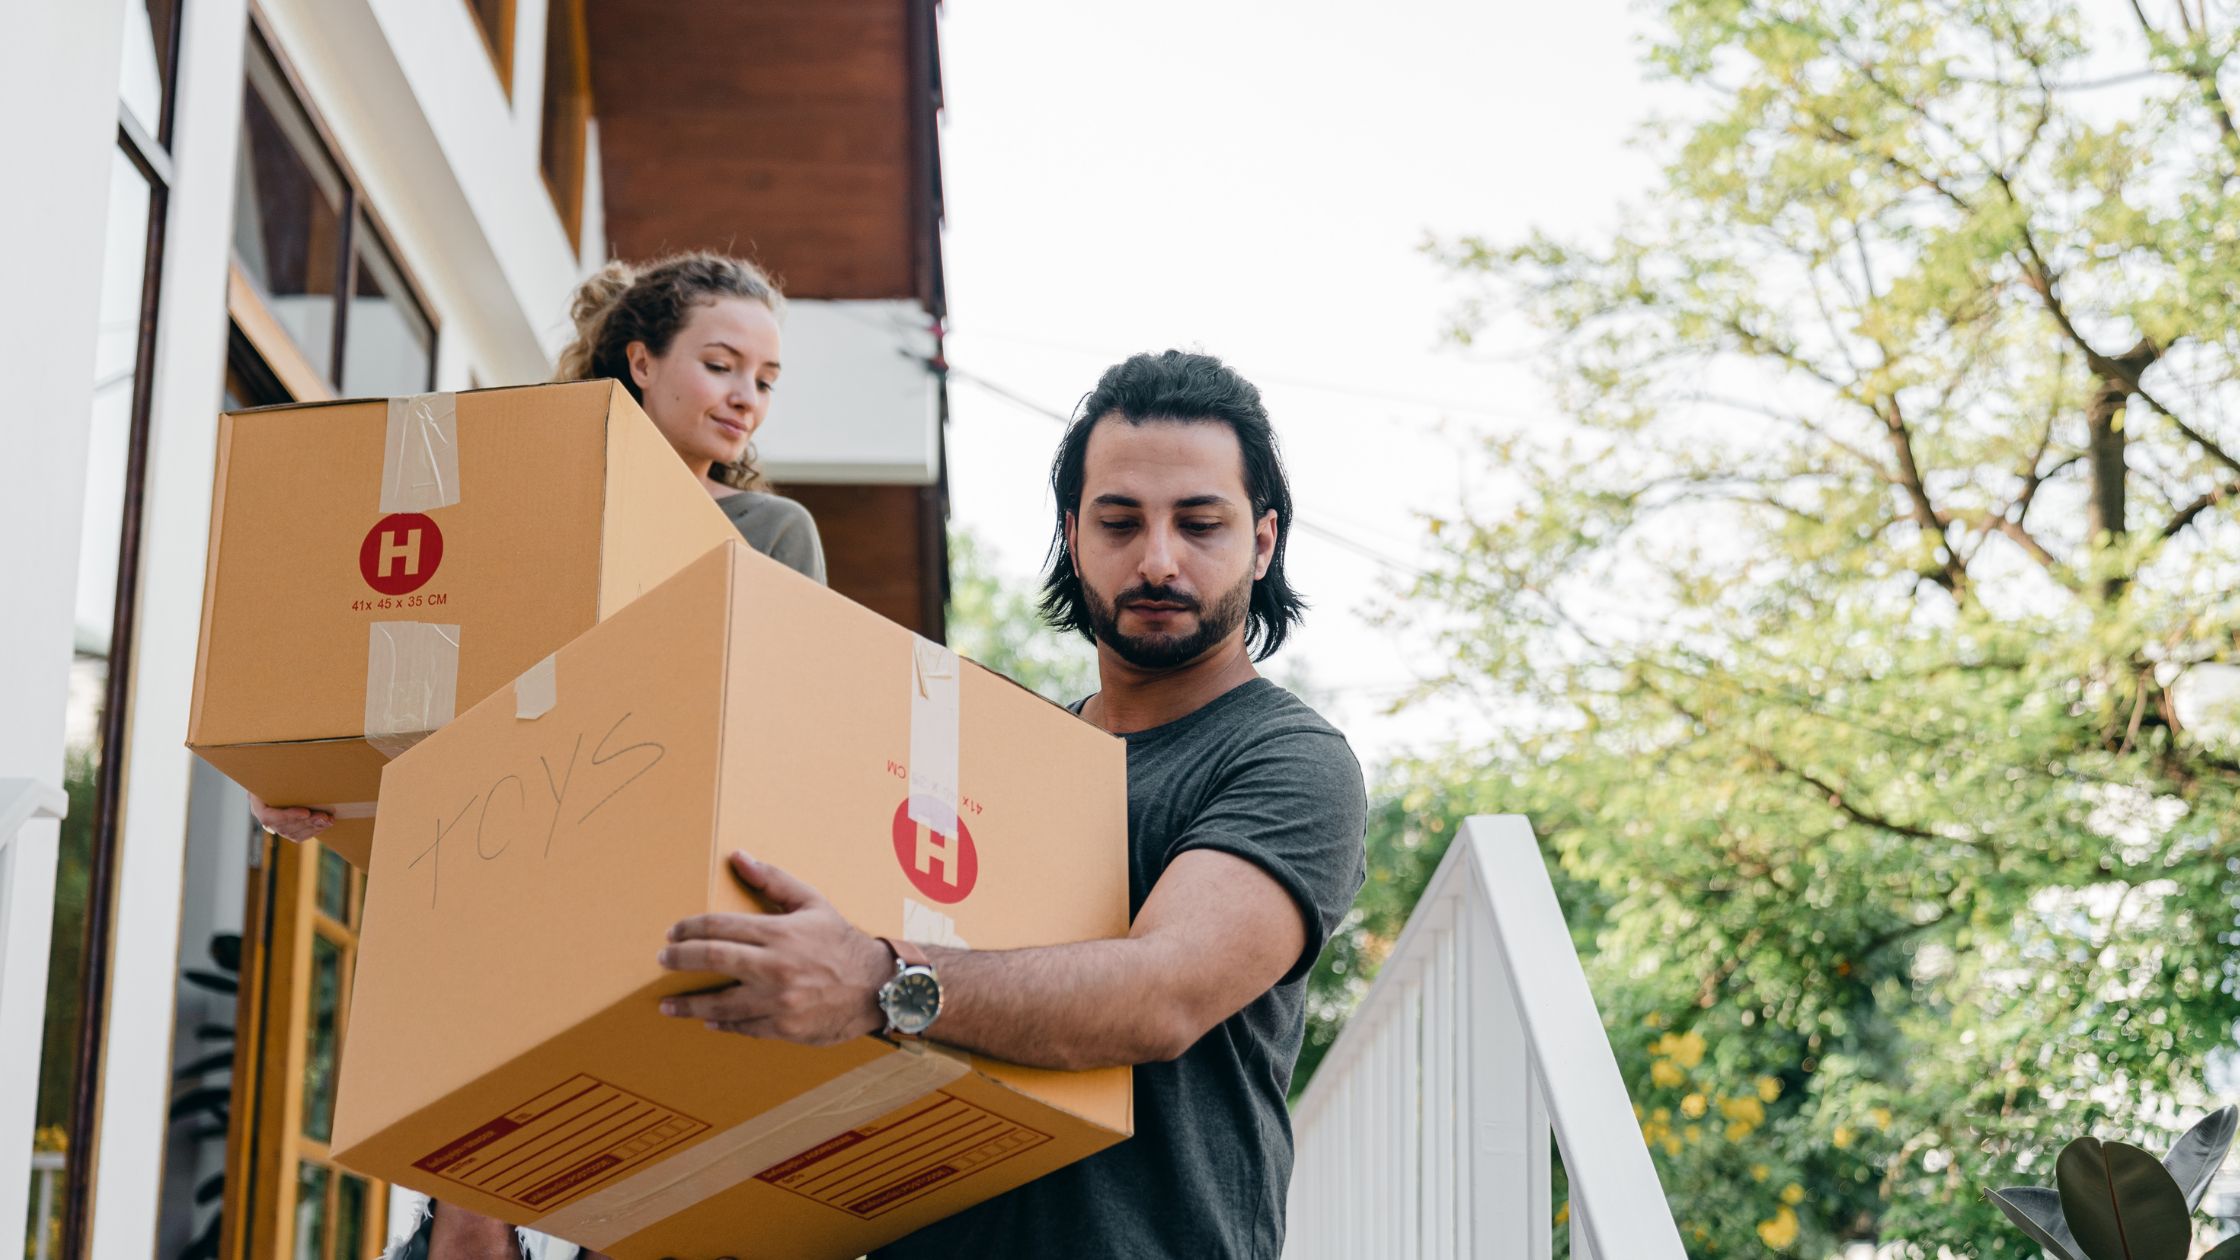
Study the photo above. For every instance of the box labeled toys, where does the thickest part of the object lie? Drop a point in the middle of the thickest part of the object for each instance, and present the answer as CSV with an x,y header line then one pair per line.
x,y
377,565
505,1050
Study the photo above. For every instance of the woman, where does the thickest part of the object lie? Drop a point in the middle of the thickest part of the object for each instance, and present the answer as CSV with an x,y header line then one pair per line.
x,y
695,339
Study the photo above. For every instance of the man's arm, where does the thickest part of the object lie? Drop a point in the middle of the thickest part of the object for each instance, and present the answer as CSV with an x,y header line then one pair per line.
x,y
1215,933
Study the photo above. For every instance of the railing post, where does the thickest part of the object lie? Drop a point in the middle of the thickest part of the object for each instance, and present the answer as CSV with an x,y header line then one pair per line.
x,y
1511,1188
1436,1195
28,848
1603,1151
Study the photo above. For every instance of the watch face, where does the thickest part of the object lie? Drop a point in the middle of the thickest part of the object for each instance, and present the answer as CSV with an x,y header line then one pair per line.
x,y
912,999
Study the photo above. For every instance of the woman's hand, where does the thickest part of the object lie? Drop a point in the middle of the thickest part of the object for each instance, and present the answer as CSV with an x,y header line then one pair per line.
x,y
292,822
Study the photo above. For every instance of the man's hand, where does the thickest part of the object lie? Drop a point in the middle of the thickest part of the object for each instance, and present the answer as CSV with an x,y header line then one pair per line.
x,y
801,974
289,822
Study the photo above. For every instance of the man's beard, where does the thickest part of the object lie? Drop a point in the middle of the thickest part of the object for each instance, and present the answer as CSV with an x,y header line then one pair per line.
x,y
1165,651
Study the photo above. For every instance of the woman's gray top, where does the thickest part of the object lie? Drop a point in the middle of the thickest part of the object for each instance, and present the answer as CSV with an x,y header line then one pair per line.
x,y
778,528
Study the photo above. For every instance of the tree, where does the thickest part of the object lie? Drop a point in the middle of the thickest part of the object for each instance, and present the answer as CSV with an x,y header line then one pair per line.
x,y
1856,595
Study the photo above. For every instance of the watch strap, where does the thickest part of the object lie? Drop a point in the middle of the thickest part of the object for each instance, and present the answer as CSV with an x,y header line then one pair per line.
x,y
905,953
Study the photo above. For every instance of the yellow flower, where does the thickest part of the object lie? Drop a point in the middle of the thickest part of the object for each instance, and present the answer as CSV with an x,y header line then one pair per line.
x,y
1768,1088
1740,1129
1671,1145
1653,1020
1881,1117
1759,1172
1685,1047
1654,1131
1792,1194
1694,1133
1563,1211
1693,1106
1780,1233
1842,1137
1666,1074
1746,1109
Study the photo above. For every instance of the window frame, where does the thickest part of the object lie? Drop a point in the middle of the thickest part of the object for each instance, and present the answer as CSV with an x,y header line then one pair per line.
x,y
499,42
564,158
149,155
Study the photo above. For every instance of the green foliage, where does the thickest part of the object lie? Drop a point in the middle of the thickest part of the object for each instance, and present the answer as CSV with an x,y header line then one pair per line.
x,y
1852,603
73,875
994,621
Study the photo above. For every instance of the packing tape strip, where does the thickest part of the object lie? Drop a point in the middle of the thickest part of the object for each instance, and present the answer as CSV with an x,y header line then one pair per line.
x,y
420,459
412,682
854,1098
537,690
935,684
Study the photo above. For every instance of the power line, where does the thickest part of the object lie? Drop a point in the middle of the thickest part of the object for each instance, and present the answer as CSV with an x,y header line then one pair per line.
x,y
1323,532
1456,406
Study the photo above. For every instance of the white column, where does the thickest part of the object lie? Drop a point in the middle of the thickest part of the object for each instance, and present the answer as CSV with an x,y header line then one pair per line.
x,y
188,377
58,126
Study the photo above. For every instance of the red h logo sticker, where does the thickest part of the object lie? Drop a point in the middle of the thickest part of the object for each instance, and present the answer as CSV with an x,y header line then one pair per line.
x,y
400,553
940,866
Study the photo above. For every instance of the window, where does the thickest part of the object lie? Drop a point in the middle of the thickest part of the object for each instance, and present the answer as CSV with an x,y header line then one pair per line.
x,y
391,349
333,304
288,213
567,112
151,33
494,18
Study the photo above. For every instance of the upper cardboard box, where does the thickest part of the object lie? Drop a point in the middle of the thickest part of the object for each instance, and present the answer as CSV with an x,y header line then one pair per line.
x,y
378,565
504,1048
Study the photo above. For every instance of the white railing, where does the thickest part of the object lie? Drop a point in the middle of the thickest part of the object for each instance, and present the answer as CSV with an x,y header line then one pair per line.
x,y
1426,1130
46,1170
22,800
27,865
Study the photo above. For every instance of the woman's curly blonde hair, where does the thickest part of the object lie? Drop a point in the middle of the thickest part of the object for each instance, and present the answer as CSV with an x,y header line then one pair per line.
x,y
620,304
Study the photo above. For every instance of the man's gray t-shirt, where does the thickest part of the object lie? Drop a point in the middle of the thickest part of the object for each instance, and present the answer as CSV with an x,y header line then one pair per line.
x,y
1258,774
778,528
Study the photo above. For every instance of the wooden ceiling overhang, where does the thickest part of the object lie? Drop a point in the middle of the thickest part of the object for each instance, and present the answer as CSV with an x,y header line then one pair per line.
x,y
800,133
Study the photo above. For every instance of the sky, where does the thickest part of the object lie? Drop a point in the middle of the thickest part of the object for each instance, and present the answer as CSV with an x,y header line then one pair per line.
x,y
1257,180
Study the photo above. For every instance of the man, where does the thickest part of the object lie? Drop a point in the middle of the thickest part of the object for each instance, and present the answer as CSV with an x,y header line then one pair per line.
x,y
1245,823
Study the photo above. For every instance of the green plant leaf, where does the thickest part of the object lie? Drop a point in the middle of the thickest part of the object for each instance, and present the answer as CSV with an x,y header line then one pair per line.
x,y
2121,1203
2036,1211
2197,1156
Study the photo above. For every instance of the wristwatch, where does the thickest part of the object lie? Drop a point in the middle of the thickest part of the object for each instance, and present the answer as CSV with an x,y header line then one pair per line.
x,y
912,999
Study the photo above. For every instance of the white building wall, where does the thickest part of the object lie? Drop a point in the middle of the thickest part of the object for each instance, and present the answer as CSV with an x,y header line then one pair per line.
x,y
858,403
450,166
188,378
58,95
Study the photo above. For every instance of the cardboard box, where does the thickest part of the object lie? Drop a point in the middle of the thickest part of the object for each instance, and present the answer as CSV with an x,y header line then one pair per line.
x,y
377,565
504,1049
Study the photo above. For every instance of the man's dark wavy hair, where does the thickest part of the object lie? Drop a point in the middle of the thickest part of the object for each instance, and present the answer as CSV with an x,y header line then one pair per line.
x,y
1178,387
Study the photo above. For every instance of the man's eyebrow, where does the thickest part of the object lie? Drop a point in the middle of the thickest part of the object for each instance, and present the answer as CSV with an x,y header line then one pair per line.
x,y
1181,505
